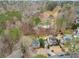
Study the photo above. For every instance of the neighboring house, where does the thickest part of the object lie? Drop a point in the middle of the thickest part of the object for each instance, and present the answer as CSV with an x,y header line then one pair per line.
x,y
47,25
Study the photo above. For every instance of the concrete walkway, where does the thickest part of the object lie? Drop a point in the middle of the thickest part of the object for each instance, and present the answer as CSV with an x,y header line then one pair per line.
x,y
15,54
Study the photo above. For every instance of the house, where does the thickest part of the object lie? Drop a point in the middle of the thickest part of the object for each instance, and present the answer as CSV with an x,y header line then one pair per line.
x,y
52,41
77,20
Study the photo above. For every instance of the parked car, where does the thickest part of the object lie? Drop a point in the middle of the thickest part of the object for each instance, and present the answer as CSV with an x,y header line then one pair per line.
x,y
67,37
36,44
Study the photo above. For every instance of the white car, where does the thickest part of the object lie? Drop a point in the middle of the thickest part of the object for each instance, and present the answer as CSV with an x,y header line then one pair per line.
x,y
67,37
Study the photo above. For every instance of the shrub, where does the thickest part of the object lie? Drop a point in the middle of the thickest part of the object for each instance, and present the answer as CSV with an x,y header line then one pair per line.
x,y
36,20
14,33
72,45
51,5
41,42
3,18
74,26
1,31
68,31
2,55
7,16
11,14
